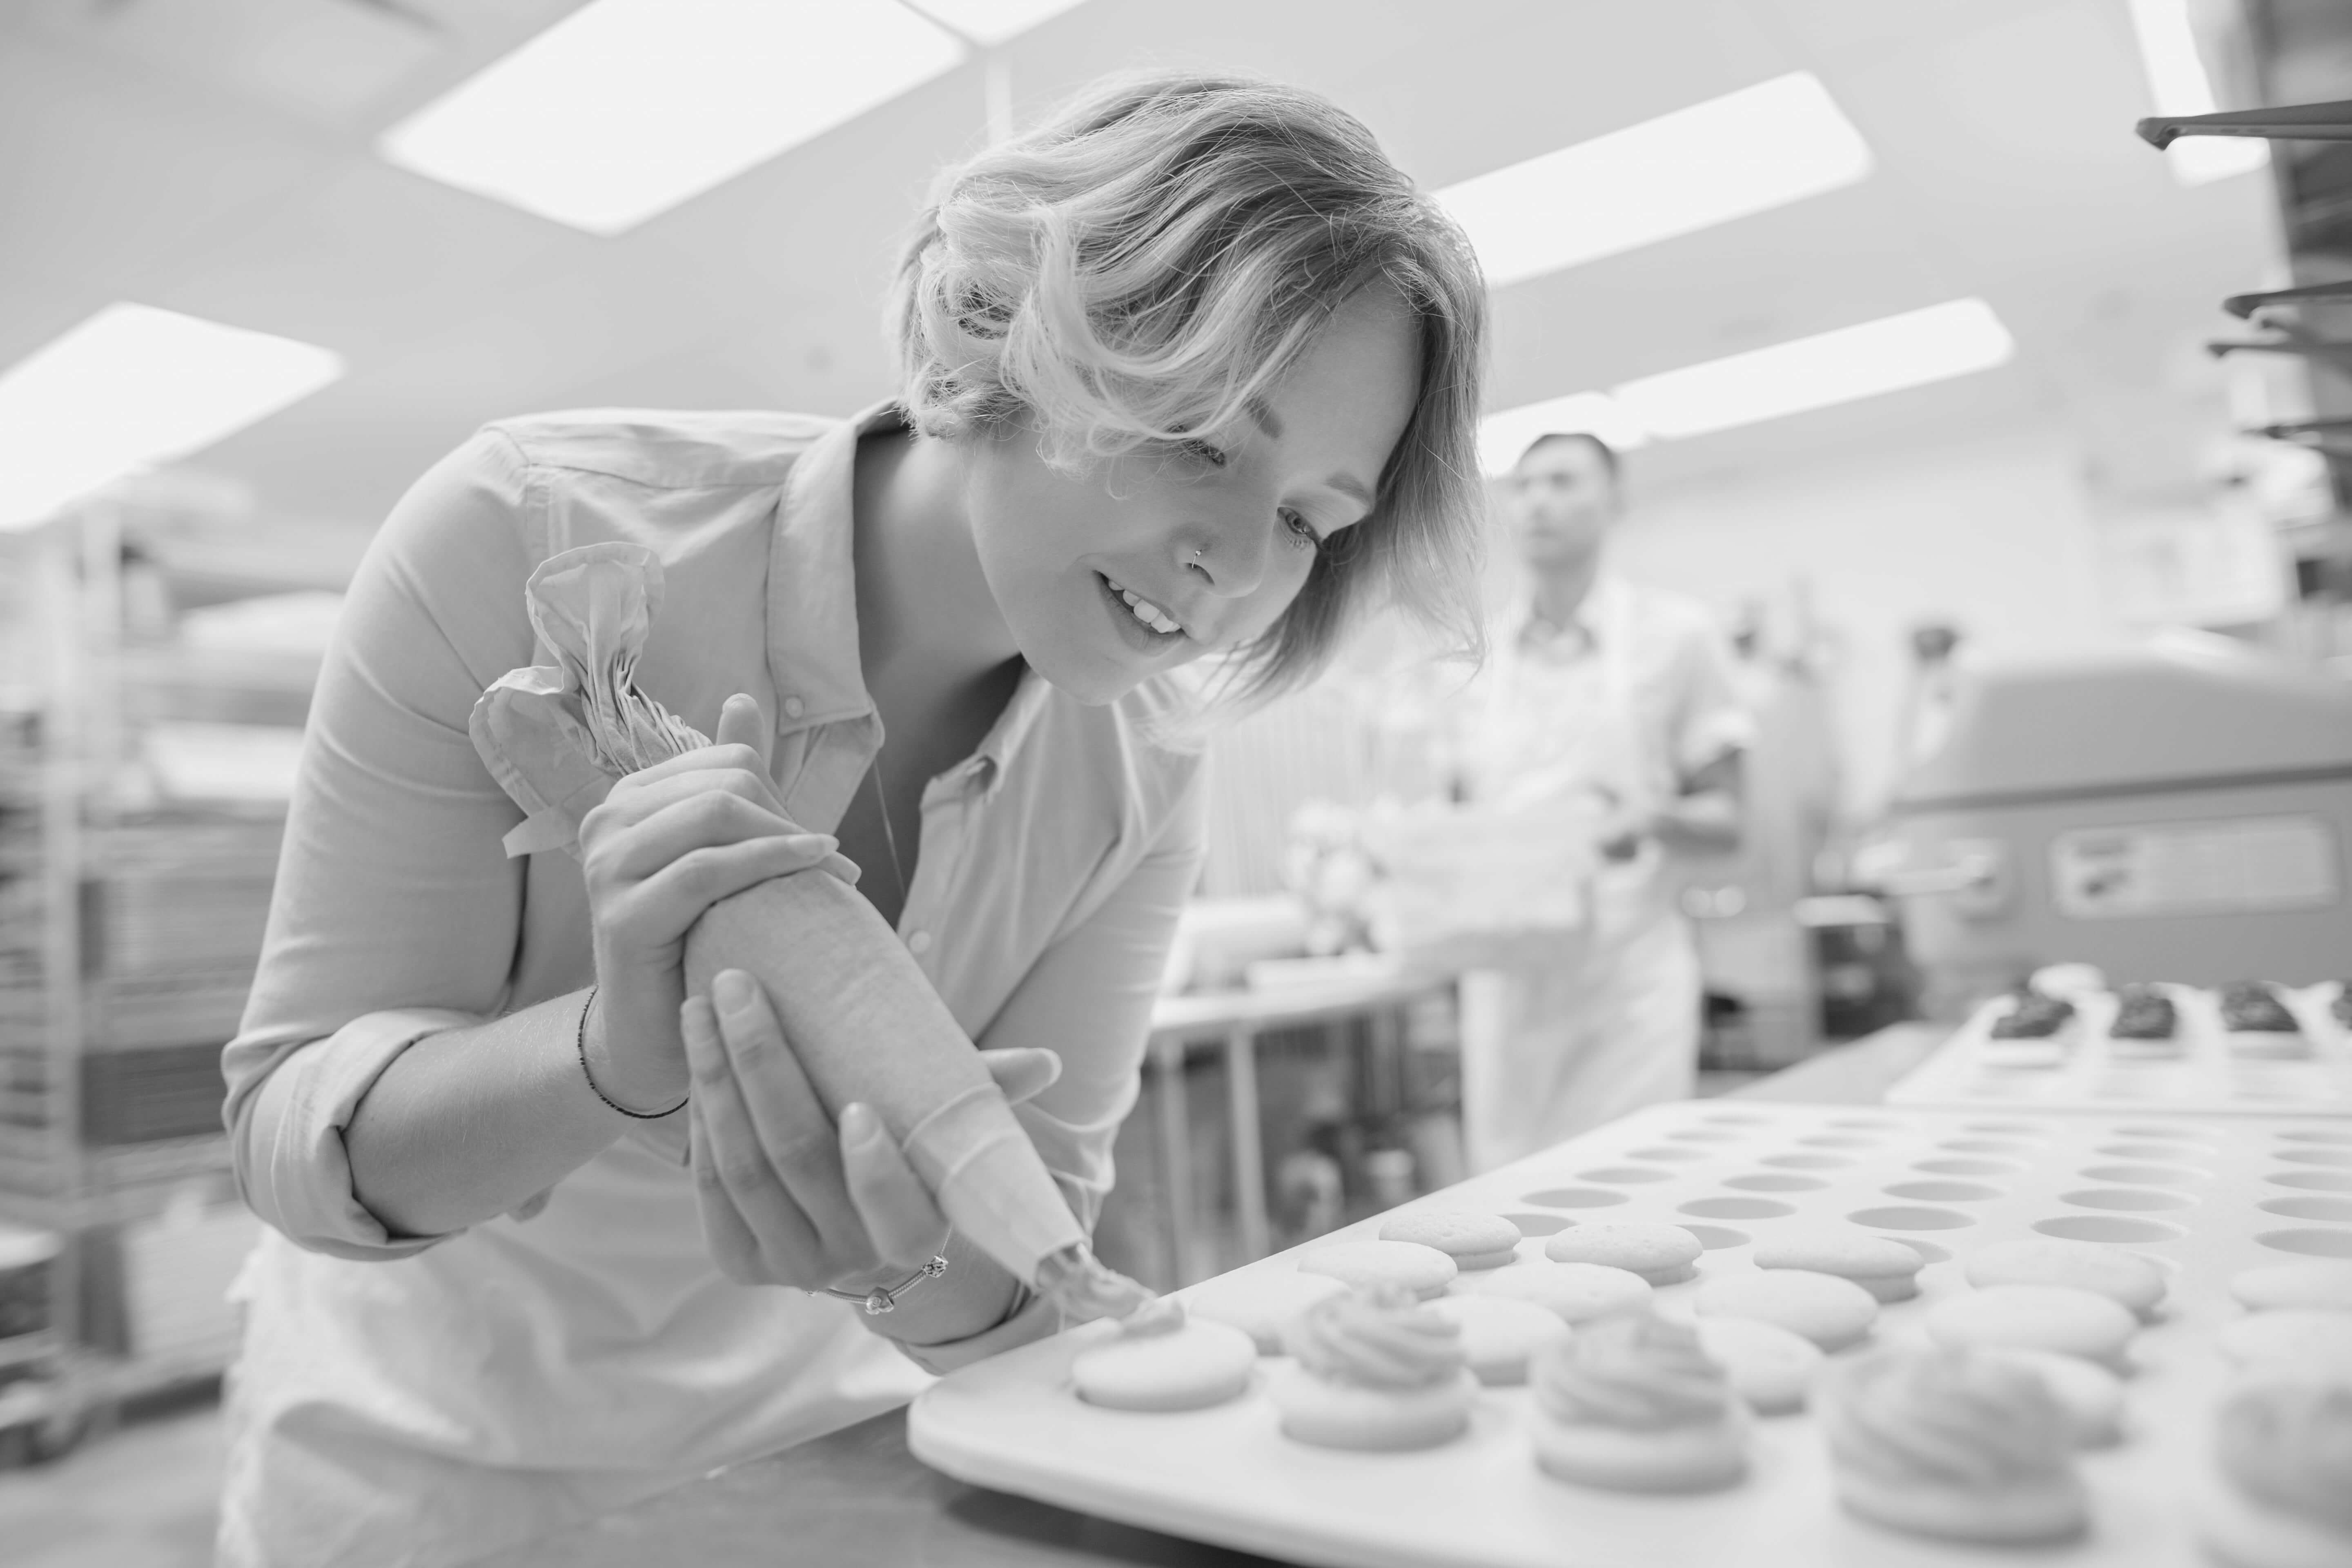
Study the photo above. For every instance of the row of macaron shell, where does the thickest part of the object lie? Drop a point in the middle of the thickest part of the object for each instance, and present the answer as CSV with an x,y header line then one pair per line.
x,y
2042,1295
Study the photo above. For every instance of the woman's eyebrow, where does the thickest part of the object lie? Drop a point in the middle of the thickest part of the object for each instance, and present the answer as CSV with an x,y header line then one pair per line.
x,y
1345,484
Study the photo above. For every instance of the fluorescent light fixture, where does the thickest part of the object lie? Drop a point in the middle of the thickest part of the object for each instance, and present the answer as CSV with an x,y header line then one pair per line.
x,y
991,21
626,108
1885,355
133,386
2177,79
1853,362
1747,152
1503,437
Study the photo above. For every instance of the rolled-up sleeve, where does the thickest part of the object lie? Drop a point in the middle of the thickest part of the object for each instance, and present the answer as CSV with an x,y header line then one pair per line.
x,y
396,911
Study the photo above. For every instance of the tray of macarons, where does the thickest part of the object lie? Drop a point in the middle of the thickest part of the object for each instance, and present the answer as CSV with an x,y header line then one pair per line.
x,y
2066,1040
1745,1333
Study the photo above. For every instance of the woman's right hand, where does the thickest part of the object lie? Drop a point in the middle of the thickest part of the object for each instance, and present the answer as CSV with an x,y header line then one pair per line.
x,y
664,845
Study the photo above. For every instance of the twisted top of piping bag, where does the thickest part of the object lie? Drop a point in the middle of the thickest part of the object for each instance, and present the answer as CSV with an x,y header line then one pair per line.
x,y
557,736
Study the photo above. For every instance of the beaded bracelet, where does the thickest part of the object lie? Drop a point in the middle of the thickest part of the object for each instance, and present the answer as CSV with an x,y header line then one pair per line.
x,y
581,1044
885,1298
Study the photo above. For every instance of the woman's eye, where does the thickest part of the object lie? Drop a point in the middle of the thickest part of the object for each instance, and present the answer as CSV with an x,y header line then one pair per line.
x,y
1302,532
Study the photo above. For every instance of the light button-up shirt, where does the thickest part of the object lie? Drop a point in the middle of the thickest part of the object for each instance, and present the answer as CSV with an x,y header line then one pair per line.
x,y
598,1336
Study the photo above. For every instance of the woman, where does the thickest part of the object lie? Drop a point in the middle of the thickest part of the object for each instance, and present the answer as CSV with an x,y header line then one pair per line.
x,y
1189,370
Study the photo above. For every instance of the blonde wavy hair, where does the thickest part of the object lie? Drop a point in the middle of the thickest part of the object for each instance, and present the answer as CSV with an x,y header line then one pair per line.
x,y
1141,265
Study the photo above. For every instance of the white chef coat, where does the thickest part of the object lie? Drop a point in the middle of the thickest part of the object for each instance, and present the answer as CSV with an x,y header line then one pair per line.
x,y
427,1401
1628,702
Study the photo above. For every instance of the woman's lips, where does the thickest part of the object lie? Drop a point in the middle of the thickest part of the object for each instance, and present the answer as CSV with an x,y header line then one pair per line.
x,y
1149,614
1132,630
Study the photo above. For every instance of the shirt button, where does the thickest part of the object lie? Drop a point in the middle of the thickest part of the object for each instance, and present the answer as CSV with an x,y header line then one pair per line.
x,y
918,942
792,706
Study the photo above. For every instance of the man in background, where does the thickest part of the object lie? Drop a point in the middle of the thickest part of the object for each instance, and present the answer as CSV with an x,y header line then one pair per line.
x,y
1598,691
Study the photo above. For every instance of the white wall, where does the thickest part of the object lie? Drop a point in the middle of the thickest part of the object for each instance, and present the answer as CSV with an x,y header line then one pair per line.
x,y
1992,532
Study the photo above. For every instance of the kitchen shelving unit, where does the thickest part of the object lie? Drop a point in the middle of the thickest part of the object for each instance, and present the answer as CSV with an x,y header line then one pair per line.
x,y
129,930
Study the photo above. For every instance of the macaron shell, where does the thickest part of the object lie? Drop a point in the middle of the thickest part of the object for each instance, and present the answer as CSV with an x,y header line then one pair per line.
x,y
1460,1234
1424,1271
2091,1266
2050,1511
1577,1292
1672,1459
1649,1250
1888,1288
1472,1261
2307,1340
1770,1367
1332,1415
2246,1532
2035,1317
1831,1311
1189,1368
1885,1268
2316,1285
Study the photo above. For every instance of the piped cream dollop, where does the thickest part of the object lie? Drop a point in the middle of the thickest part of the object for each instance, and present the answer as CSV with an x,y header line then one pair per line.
x,y
1632,1370
2289,1443
1947,1417
1380,1338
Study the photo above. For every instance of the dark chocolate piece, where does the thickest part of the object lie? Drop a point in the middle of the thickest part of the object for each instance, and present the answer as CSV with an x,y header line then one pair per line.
x,y
2035,1018
2144,1014
2251,1007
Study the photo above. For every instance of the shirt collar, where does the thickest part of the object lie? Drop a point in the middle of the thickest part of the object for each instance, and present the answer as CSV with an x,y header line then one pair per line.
x,y
813,597
812,579
1593,612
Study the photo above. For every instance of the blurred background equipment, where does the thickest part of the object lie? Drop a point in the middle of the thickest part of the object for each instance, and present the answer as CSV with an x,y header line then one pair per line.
x,y
2179,811
1764,992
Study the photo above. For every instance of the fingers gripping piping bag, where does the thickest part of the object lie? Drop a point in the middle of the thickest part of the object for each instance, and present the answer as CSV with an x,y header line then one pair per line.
x,y
862,1017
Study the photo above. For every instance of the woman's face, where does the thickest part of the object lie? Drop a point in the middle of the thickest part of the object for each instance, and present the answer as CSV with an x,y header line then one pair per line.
x,y
1211,542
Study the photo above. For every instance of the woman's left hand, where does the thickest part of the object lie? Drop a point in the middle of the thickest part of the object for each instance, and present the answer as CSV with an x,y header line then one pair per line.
x,y
787,1197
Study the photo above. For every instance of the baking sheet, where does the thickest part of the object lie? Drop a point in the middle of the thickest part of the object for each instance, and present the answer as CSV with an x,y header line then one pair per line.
x,y
2203,1196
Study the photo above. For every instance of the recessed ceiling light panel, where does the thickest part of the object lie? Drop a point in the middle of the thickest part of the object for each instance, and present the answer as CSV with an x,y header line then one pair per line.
x,y
992,21
1885,355
1745,153
626,108
132,386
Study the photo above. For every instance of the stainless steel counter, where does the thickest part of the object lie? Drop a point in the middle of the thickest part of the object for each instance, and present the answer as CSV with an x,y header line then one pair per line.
x,y
859,1500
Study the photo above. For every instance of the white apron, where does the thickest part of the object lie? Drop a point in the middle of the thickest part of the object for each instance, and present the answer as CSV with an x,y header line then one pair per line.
x,y
1608,1022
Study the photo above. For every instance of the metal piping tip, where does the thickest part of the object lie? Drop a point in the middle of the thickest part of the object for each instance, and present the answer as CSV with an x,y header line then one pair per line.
x,y
1083,1287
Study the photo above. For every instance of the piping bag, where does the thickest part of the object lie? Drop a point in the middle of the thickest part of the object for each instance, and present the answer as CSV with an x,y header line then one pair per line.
x,y
861,1016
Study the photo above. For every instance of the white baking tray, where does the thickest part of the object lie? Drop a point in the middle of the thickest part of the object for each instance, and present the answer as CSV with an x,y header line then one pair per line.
x,y
2096,1075
2204,1196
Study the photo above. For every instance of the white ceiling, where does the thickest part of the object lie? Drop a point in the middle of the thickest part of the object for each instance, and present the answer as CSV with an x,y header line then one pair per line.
x,y
137,165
